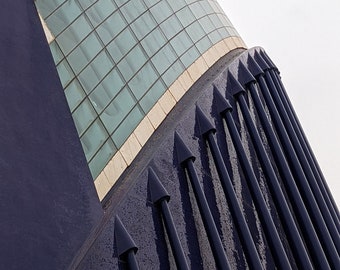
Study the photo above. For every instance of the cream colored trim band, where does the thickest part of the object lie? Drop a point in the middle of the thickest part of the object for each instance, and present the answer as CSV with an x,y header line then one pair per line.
x,y
126,154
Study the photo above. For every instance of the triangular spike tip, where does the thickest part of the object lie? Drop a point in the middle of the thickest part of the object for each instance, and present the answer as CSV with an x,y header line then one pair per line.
x,y
183,152
205,126
268,60
221,103
263,64
253,67
157,190
244,75
123,240
233,86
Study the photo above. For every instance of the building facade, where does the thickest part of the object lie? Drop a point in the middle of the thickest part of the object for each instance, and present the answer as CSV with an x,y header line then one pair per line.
x,y
144,134
152,55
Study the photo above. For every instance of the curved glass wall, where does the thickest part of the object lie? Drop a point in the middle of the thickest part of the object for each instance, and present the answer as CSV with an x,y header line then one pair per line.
x,y
116,58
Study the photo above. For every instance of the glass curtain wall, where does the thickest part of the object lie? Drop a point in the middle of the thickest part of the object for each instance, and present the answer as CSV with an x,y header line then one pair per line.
x,y
116,58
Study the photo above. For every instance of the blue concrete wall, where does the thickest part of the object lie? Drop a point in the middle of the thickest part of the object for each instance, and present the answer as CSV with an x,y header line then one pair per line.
x,y
48,203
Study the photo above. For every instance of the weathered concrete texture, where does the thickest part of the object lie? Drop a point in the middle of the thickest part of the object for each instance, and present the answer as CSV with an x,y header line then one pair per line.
x,y
48,202
130,198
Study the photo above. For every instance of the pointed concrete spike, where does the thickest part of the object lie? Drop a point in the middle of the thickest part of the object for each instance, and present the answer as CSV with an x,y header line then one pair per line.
x,y
205,125
124,242
254,67
244,75
221,103
268,60
233,86
183,152
263,64
157,190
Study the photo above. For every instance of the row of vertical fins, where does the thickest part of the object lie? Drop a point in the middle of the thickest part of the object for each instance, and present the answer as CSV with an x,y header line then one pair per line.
x,y
313,235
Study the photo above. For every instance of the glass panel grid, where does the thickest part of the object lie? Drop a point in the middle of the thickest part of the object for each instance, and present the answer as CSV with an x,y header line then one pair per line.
x,y
116,111
93,138
48,7
111,27
171,27
132,10
127,53
152,96
127,126
161,11
74,34
100,11
102,157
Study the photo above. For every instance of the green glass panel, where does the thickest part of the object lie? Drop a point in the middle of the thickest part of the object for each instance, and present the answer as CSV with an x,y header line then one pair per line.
x,y
197,10
102,64
161,11
132,62
185,16
225,21
195,31
74,94
223,32
65,72
114,82
84,53
56,52
206,7
104,93
150,3
216,7
100,11
111,27
177,4
127,126
132,10
173,73
215,37
233,32
95,71
206,24
86,3
121,45
47,7
83,116
120,2
89,78
99,161
216,21
171,27
115,112
163,59
203,44
152,96
153,42
74,34
63,16
93,138
142,81
181,43
190,56
143,25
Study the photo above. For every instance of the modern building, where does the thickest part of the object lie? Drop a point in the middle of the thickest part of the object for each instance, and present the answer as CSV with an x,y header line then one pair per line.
x,y
145,134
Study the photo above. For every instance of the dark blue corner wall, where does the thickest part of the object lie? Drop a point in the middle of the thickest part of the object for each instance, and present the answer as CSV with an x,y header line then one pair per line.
x,y
48,203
